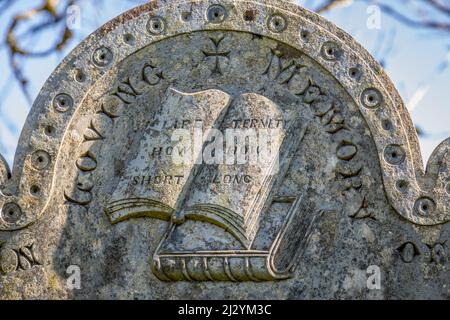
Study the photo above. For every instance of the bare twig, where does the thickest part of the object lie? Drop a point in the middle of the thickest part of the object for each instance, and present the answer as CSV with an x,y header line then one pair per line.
x,y
329,5
48,8
405,19
411,22
439,6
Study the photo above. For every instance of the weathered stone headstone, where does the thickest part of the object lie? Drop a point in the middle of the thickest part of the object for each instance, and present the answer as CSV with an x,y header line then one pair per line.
x,y
222,149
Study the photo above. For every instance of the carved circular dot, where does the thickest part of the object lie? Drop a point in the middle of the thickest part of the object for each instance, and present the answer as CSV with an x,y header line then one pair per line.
x,y
49,130
102,57
277,23
62,102
80,76
40,160
371,98
11,213
35,191
305,35
386,124
355,73
156,25
216,13
331,51
129,39
424,206
249,15
402,185
407,252
394,154
186,16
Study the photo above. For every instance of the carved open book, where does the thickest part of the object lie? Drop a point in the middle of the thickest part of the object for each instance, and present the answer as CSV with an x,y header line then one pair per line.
x,y
229,196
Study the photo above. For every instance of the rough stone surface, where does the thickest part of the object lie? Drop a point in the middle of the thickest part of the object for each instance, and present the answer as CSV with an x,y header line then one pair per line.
x,y
94,183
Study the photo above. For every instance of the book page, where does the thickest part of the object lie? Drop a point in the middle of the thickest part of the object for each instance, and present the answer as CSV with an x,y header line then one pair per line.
x,y
153,178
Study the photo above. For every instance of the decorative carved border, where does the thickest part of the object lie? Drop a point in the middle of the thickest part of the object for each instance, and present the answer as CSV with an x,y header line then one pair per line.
x,y
419,196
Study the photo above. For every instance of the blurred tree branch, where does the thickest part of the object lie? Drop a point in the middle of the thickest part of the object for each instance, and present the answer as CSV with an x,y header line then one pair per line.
x,y
53,19
414,21
329,5
442,7
53,15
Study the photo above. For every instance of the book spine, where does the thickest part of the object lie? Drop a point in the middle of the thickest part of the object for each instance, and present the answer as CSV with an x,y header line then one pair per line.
x,y
219,267
295,234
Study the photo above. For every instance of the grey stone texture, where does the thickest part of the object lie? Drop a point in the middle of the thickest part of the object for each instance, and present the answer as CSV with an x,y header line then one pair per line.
x,y
94,183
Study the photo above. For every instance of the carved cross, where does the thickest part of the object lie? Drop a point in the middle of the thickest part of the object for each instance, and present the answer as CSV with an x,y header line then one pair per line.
x,y
216,54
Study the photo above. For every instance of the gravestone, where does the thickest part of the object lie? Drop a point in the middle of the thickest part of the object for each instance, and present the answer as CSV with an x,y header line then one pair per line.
x,y
222,149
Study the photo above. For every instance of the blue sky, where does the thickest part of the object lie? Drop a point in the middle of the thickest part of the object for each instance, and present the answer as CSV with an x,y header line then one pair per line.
x,y
413,58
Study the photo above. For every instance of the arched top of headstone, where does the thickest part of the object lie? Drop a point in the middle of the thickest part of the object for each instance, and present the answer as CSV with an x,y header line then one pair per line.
x,y
102,148
417,195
